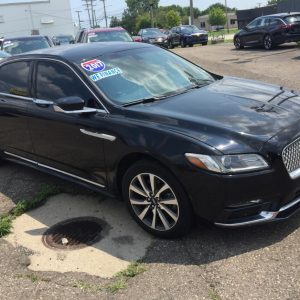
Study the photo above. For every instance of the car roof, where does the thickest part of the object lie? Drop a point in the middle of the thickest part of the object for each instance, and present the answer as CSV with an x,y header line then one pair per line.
x,y
282,15
80,52
105,29
25,37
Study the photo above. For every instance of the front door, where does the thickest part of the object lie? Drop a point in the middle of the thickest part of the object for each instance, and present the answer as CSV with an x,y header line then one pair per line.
x,y
66,143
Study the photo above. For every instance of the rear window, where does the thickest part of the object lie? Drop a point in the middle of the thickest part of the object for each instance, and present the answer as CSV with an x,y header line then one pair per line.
x,y
18,46
109,36
292,19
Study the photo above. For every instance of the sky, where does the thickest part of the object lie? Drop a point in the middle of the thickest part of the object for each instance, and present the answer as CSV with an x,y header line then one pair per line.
x,y
116,7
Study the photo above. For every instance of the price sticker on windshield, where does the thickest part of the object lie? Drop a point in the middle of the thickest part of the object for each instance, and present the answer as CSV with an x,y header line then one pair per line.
x,y
94,65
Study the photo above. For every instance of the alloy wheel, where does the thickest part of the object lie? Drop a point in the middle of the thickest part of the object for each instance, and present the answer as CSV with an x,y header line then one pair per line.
x,y
268,42
237,43
154,202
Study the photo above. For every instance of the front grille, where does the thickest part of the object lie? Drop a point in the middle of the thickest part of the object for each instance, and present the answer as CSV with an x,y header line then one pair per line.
x,y
291,156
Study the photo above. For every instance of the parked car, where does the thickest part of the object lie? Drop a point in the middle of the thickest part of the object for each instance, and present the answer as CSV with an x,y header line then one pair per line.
x,y
153,36
169,137
63,39
3,55
187,35
116,34
270,31
25,44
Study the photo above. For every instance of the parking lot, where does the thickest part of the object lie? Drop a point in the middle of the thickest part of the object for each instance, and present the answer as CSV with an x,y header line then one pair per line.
x,y
210,263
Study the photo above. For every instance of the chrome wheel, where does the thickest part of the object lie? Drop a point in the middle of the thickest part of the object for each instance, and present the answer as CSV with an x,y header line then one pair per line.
x,y
237,43
153,201
268,42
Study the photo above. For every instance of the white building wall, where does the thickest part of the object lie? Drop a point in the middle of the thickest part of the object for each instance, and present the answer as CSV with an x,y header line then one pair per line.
x,y
49,17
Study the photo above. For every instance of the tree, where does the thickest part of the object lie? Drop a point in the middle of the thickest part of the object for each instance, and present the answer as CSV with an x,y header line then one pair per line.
x,y
142,21
173,18
272,2
217,17
115,22
138,7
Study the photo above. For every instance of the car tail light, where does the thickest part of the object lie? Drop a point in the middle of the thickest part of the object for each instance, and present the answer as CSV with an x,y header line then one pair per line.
x,y
287,26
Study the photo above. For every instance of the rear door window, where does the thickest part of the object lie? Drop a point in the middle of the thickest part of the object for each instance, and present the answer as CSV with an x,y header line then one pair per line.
x,y
14,78
55,81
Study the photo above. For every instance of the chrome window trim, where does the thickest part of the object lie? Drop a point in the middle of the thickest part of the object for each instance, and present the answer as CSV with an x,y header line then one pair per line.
x,y
103,136
16,96
11,60
54,169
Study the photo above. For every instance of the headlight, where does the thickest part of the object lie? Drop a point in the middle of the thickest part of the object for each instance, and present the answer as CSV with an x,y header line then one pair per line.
x,y
160,40
228,164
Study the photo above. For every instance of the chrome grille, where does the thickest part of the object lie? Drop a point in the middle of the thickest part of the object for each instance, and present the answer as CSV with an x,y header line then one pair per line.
x,y
291,156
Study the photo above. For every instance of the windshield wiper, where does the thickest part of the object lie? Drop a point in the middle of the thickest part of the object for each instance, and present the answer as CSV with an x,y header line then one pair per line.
x,y
145,101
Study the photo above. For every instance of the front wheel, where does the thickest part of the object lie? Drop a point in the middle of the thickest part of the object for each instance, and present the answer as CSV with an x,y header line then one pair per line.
x,y
182,44
268,42
156,200
238,43
204,44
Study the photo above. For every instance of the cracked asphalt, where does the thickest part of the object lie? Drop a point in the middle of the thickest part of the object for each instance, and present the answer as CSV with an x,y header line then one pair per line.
x,y
210,263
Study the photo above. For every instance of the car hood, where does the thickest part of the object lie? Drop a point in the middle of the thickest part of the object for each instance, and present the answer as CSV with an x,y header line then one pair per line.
x,y
232,115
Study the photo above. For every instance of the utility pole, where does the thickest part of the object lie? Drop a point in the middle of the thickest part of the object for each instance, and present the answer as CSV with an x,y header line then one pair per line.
x,y
151,3
92,4
105,15
79,20
192,12
226,9
86,4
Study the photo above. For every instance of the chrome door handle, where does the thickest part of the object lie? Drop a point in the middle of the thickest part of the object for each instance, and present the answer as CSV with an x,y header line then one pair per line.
x,y
42,102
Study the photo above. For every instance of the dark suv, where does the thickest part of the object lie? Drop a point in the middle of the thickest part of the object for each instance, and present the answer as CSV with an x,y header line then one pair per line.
x,y
269,31
187,35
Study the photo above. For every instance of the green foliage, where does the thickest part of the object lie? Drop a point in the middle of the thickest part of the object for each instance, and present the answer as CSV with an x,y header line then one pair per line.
x,y
132,270
115,22
217,17
217,5
173,18
24,205
143,21
272,2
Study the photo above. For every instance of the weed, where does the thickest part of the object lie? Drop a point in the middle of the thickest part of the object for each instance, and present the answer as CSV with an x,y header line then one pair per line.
x,y
117,285
25,205
33,277
213,295
132,270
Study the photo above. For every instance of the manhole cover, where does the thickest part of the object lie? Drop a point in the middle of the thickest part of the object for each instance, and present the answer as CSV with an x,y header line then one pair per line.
x,y
74,233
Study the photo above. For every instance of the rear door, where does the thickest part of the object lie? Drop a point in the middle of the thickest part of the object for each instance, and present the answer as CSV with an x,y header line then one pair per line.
x,y
251,35
15,96
70,144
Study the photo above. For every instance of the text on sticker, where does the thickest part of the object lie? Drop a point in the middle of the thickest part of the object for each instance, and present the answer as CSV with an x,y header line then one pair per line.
x,y
105,74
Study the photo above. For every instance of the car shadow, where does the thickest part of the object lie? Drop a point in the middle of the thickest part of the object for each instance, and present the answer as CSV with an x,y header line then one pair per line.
x,y
205,244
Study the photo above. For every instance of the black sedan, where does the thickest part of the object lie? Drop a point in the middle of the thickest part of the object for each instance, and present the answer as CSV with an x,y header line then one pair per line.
x,y
152,36
170,138
270,31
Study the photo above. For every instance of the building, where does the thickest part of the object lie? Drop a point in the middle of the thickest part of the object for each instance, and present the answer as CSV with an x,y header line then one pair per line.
x,y
244,17
27,17
203,22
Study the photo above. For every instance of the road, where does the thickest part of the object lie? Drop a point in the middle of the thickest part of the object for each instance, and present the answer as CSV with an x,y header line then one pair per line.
x,y
210,263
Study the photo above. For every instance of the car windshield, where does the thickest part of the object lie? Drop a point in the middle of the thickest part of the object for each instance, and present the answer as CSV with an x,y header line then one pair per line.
x,y
18,46
63,39
190,29
3,54
109,36
292,19
152,32
143,73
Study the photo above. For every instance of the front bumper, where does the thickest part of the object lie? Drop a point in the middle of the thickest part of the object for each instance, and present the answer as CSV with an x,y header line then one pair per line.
x,y
265,216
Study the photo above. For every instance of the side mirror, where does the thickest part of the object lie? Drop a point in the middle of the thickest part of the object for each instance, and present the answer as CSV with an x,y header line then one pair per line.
x,y
72,105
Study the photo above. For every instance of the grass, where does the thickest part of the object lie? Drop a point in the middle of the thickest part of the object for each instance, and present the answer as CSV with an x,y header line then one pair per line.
x,y
33,277
86,286
25,205
122,277
213,295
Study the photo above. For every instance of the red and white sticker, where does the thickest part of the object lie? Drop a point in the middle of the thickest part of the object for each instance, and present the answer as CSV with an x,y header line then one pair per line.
x,y
94,65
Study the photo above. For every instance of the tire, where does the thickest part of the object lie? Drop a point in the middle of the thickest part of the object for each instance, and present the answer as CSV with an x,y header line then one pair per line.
x,y
182,44
191,45
156,200
238,43
268,42
204,44
170,45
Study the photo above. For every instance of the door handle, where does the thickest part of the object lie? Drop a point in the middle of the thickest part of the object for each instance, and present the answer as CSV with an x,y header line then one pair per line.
x,y
43,102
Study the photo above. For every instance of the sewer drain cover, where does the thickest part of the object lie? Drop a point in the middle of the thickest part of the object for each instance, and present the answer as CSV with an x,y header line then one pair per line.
x,y
74,233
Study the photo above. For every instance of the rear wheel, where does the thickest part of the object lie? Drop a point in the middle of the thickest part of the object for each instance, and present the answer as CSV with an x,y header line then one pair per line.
x,y
238,43
156,200
191,45
268,42
204,44
170,45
